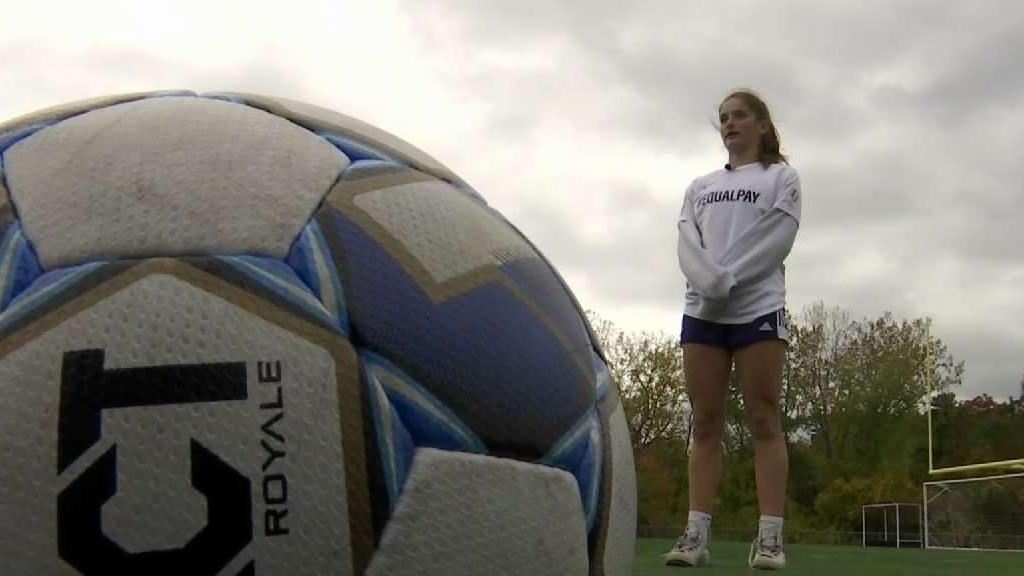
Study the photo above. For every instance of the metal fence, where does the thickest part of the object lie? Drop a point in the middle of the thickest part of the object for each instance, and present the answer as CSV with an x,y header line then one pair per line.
x,y
962,541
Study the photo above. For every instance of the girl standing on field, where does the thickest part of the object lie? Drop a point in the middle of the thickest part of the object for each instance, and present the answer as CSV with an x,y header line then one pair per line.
x,y
736,227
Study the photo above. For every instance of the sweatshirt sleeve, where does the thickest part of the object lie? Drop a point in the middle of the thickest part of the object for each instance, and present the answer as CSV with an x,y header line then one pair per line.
x,y
707,277
762,249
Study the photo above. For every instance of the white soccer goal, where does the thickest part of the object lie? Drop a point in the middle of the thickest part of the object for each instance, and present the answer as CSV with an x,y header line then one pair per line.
x,y
894,524
975,513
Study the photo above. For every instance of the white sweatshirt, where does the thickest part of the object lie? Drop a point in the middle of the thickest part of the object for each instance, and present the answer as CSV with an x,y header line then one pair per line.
x,y
735,229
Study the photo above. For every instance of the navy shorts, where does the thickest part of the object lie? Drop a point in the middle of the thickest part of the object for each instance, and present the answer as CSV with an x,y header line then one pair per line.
x,y
771,326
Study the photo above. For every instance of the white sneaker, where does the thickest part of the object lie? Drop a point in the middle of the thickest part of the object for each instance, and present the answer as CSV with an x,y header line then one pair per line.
x,y
690,550
766,550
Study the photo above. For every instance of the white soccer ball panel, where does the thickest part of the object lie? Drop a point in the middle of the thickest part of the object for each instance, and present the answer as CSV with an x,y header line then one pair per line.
x,y
467,514
283,437
168,176
446,231
68,109
347,126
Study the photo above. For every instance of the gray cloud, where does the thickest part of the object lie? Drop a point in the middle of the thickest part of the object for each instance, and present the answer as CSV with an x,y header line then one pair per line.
x,y
994,361
900,117
641,238
584,121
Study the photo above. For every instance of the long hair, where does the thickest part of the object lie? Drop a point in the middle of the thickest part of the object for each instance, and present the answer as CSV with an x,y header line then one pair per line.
x,y
769,152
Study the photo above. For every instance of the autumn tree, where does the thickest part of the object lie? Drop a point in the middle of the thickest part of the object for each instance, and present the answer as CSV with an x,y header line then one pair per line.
x,y
649,370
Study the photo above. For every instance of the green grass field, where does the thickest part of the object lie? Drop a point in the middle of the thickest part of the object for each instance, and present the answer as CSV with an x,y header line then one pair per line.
x,y
809,559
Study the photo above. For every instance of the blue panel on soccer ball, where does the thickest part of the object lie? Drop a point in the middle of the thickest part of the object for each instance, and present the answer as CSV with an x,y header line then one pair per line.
x,y
18,265
579,453
428,421
588,474
486,354
355,151
604,377
535,278
395,445
279,278
48,288
224,98
8,139
310,258
302,259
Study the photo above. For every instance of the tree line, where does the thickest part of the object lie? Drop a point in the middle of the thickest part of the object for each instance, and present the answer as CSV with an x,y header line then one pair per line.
x,y
855,397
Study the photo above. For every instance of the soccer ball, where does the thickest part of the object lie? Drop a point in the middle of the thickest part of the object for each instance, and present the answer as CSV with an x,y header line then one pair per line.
x,y
243,335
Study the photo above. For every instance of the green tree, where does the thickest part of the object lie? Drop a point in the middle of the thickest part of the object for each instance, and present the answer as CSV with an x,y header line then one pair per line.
x,y
649,371
648,368
815,394
975,431
859,388
854,400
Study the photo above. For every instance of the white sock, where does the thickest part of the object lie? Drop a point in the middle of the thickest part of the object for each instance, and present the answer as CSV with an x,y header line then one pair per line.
x,y
774,523
700,520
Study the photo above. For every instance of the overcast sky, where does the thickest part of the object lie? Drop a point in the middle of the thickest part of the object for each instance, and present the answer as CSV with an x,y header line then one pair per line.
x,y
584,121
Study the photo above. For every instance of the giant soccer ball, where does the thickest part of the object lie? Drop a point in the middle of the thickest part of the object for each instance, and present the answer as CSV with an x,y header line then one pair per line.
x,y
242,335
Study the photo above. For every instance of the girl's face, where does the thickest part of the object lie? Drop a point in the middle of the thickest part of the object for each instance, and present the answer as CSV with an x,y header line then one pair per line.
x,y
740,130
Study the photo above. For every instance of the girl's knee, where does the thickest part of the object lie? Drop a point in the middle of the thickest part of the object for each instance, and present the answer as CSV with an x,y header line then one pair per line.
x,y
708,427
764,423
